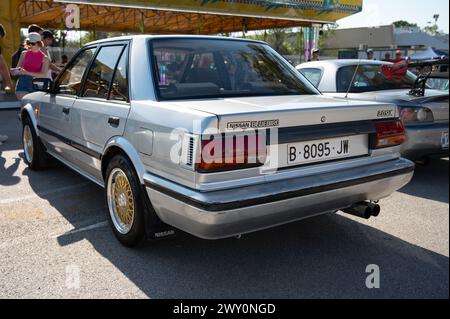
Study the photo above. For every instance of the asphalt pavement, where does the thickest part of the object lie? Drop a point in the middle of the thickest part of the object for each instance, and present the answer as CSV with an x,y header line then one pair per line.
x,y
55,242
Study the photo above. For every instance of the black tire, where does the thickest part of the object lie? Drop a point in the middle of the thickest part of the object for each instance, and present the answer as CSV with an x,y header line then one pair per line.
x,y
121,164
36,158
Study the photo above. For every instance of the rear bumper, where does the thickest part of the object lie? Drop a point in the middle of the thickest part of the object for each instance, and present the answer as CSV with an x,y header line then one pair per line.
x,y
424,140
225,213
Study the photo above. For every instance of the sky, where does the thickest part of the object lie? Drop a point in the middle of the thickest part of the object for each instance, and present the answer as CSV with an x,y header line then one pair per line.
x,y
383,12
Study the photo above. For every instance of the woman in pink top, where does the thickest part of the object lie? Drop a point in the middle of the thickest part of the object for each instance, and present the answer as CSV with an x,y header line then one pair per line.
x,y
33,63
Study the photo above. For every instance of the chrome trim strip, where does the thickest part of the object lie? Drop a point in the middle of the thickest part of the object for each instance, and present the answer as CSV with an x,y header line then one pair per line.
x,y
72,143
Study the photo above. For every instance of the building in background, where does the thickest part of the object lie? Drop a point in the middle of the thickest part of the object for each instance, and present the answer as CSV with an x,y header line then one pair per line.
x,y
353,42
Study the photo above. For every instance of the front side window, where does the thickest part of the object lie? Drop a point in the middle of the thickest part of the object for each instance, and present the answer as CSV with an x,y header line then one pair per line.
x,y
313,75
100,75
204,68
70,80
373,77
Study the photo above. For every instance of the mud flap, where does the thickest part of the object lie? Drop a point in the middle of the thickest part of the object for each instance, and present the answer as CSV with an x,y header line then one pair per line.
x,y
155,229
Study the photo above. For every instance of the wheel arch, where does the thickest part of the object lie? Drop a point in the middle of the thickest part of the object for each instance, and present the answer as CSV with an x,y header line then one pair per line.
x,y
28,111
120,145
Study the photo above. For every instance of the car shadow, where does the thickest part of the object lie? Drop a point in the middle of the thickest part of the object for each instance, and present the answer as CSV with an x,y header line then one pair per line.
x,y
7,171
7,177
11,127
436,172
322,257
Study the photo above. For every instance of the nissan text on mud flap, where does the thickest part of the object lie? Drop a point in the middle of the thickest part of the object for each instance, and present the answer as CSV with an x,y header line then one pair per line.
x,y
216,137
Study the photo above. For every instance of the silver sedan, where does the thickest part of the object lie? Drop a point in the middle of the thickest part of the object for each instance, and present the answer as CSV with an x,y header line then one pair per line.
x,y
194,133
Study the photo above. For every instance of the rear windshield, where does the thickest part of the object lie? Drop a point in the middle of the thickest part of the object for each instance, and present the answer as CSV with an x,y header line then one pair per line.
x,y
373,77
205,68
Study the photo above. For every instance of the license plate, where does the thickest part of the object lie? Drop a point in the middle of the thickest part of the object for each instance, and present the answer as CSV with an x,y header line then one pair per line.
x,y
444,140
327,149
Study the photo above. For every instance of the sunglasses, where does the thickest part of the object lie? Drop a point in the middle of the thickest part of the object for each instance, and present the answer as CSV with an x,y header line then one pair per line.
x,y
33,43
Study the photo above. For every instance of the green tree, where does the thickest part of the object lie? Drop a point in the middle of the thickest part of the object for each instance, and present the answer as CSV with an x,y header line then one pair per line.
x,y
326,33
432,29
404,24
277,38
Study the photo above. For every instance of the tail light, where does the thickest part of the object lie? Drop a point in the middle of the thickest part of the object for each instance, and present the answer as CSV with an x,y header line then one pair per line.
x,y
388,134
416,114
227,152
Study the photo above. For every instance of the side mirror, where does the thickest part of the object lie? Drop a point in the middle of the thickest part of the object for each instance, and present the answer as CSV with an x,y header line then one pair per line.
x,y
42,84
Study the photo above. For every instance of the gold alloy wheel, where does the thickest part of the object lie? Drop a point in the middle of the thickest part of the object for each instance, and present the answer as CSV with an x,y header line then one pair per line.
x,y
120,201
28,143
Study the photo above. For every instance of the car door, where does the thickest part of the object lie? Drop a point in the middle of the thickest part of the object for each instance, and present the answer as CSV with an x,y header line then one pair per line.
x,y
54,114
101,110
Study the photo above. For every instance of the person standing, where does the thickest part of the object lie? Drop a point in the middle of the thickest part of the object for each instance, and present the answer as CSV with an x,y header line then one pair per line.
x,y
315,55
16,56
33,63
47,40
398,68
4,72
64,60
369,53
398,57
387,57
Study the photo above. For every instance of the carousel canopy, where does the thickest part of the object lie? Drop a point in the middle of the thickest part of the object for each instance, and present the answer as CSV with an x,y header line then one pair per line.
x,y
169,16
187,16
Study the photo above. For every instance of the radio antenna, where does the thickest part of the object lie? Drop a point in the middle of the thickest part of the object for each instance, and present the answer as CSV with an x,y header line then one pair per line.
x,y
353,78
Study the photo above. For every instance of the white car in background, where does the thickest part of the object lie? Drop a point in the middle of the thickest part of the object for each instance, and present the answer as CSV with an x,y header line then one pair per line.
x,y
426,117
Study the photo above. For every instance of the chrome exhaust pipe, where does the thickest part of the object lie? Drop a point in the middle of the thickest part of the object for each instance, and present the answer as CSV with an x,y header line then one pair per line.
x,y
376,209
363,209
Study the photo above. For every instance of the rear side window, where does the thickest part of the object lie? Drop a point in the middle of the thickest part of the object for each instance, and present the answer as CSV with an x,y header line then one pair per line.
x,y
373,77
100,76
313,75
119,88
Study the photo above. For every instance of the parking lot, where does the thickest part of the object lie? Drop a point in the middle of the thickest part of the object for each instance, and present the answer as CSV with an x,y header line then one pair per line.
x,y
53,228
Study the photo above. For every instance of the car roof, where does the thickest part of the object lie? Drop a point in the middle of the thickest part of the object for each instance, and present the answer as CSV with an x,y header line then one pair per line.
x,y
339,63
150,36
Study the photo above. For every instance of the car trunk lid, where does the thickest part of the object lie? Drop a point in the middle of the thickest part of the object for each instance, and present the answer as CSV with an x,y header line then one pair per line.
x,y
437,101
315,128
288,111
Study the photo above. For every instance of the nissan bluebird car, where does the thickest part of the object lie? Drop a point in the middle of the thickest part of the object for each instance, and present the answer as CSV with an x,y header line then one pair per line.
x,y
425,116
213,136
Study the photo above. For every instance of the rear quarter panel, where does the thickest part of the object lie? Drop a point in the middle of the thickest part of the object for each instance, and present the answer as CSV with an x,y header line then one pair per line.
x,y
156,129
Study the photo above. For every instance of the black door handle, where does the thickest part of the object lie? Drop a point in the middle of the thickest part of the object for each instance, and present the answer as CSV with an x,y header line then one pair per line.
x,y
114,121
66,110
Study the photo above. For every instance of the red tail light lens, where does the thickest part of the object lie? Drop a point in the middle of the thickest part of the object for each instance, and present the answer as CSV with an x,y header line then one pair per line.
x,y
388,134
226,152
